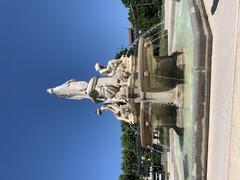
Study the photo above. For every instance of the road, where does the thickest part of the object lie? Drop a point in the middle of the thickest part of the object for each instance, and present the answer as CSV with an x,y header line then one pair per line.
x,y
224,136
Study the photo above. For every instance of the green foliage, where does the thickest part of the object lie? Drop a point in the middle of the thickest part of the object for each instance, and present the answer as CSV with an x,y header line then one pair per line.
x,y
126,52
127,3
136,161
144,14
129,155
128,177
120,53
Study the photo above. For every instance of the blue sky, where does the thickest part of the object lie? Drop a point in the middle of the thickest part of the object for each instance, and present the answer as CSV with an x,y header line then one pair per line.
x,y
44,43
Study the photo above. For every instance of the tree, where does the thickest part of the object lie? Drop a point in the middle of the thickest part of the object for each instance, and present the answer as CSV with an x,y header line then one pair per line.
x,y
128,177
146,12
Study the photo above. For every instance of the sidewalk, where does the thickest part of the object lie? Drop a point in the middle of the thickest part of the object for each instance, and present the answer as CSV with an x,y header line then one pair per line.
x,y
234,155
224,129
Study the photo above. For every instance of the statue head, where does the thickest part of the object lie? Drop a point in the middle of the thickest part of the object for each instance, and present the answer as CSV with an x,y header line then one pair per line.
x,y
71,89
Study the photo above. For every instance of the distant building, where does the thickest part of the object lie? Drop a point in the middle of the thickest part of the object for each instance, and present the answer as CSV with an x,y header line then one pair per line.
x,y
131,36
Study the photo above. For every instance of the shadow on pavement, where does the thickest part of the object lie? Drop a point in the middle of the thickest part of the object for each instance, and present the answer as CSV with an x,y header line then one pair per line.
x,y
214,6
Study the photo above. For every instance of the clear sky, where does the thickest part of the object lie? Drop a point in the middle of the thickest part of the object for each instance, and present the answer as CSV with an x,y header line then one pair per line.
x,y
44,43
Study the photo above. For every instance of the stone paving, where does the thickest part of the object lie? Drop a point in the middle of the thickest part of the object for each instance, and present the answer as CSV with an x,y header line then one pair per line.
x,y
224,134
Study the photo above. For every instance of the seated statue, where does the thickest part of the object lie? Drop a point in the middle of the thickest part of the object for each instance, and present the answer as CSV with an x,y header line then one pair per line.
x,y
97,92
121,112
116,68
102,91
111,68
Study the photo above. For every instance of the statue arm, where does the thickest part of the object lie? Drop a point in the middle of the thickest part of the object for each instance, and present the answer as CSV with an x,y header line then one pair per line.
x,y
108,107
112,107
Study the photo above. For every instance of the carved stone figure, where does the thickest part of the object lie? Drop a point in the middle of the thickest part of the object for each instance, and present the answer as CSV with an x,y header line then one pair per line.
x,y
121,95
111,68
102,91
116,68
121,74
122,112
97,89
71,89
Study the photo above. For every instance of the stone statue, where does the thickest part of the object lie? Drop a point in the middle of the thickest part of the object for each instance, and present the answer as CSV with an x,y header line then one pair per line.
x,y
71,89
116,68
97,89
111,68
127,89
122,112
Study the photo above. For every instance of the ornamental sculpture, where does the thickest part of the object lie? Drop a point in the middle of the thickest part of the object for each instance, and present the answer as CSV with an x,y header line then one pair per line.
x,y
140,89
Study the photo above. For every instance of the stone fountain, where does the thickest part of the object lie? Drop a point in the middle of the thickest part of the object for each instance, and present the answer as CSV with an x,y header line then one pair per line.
x,y
141,89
